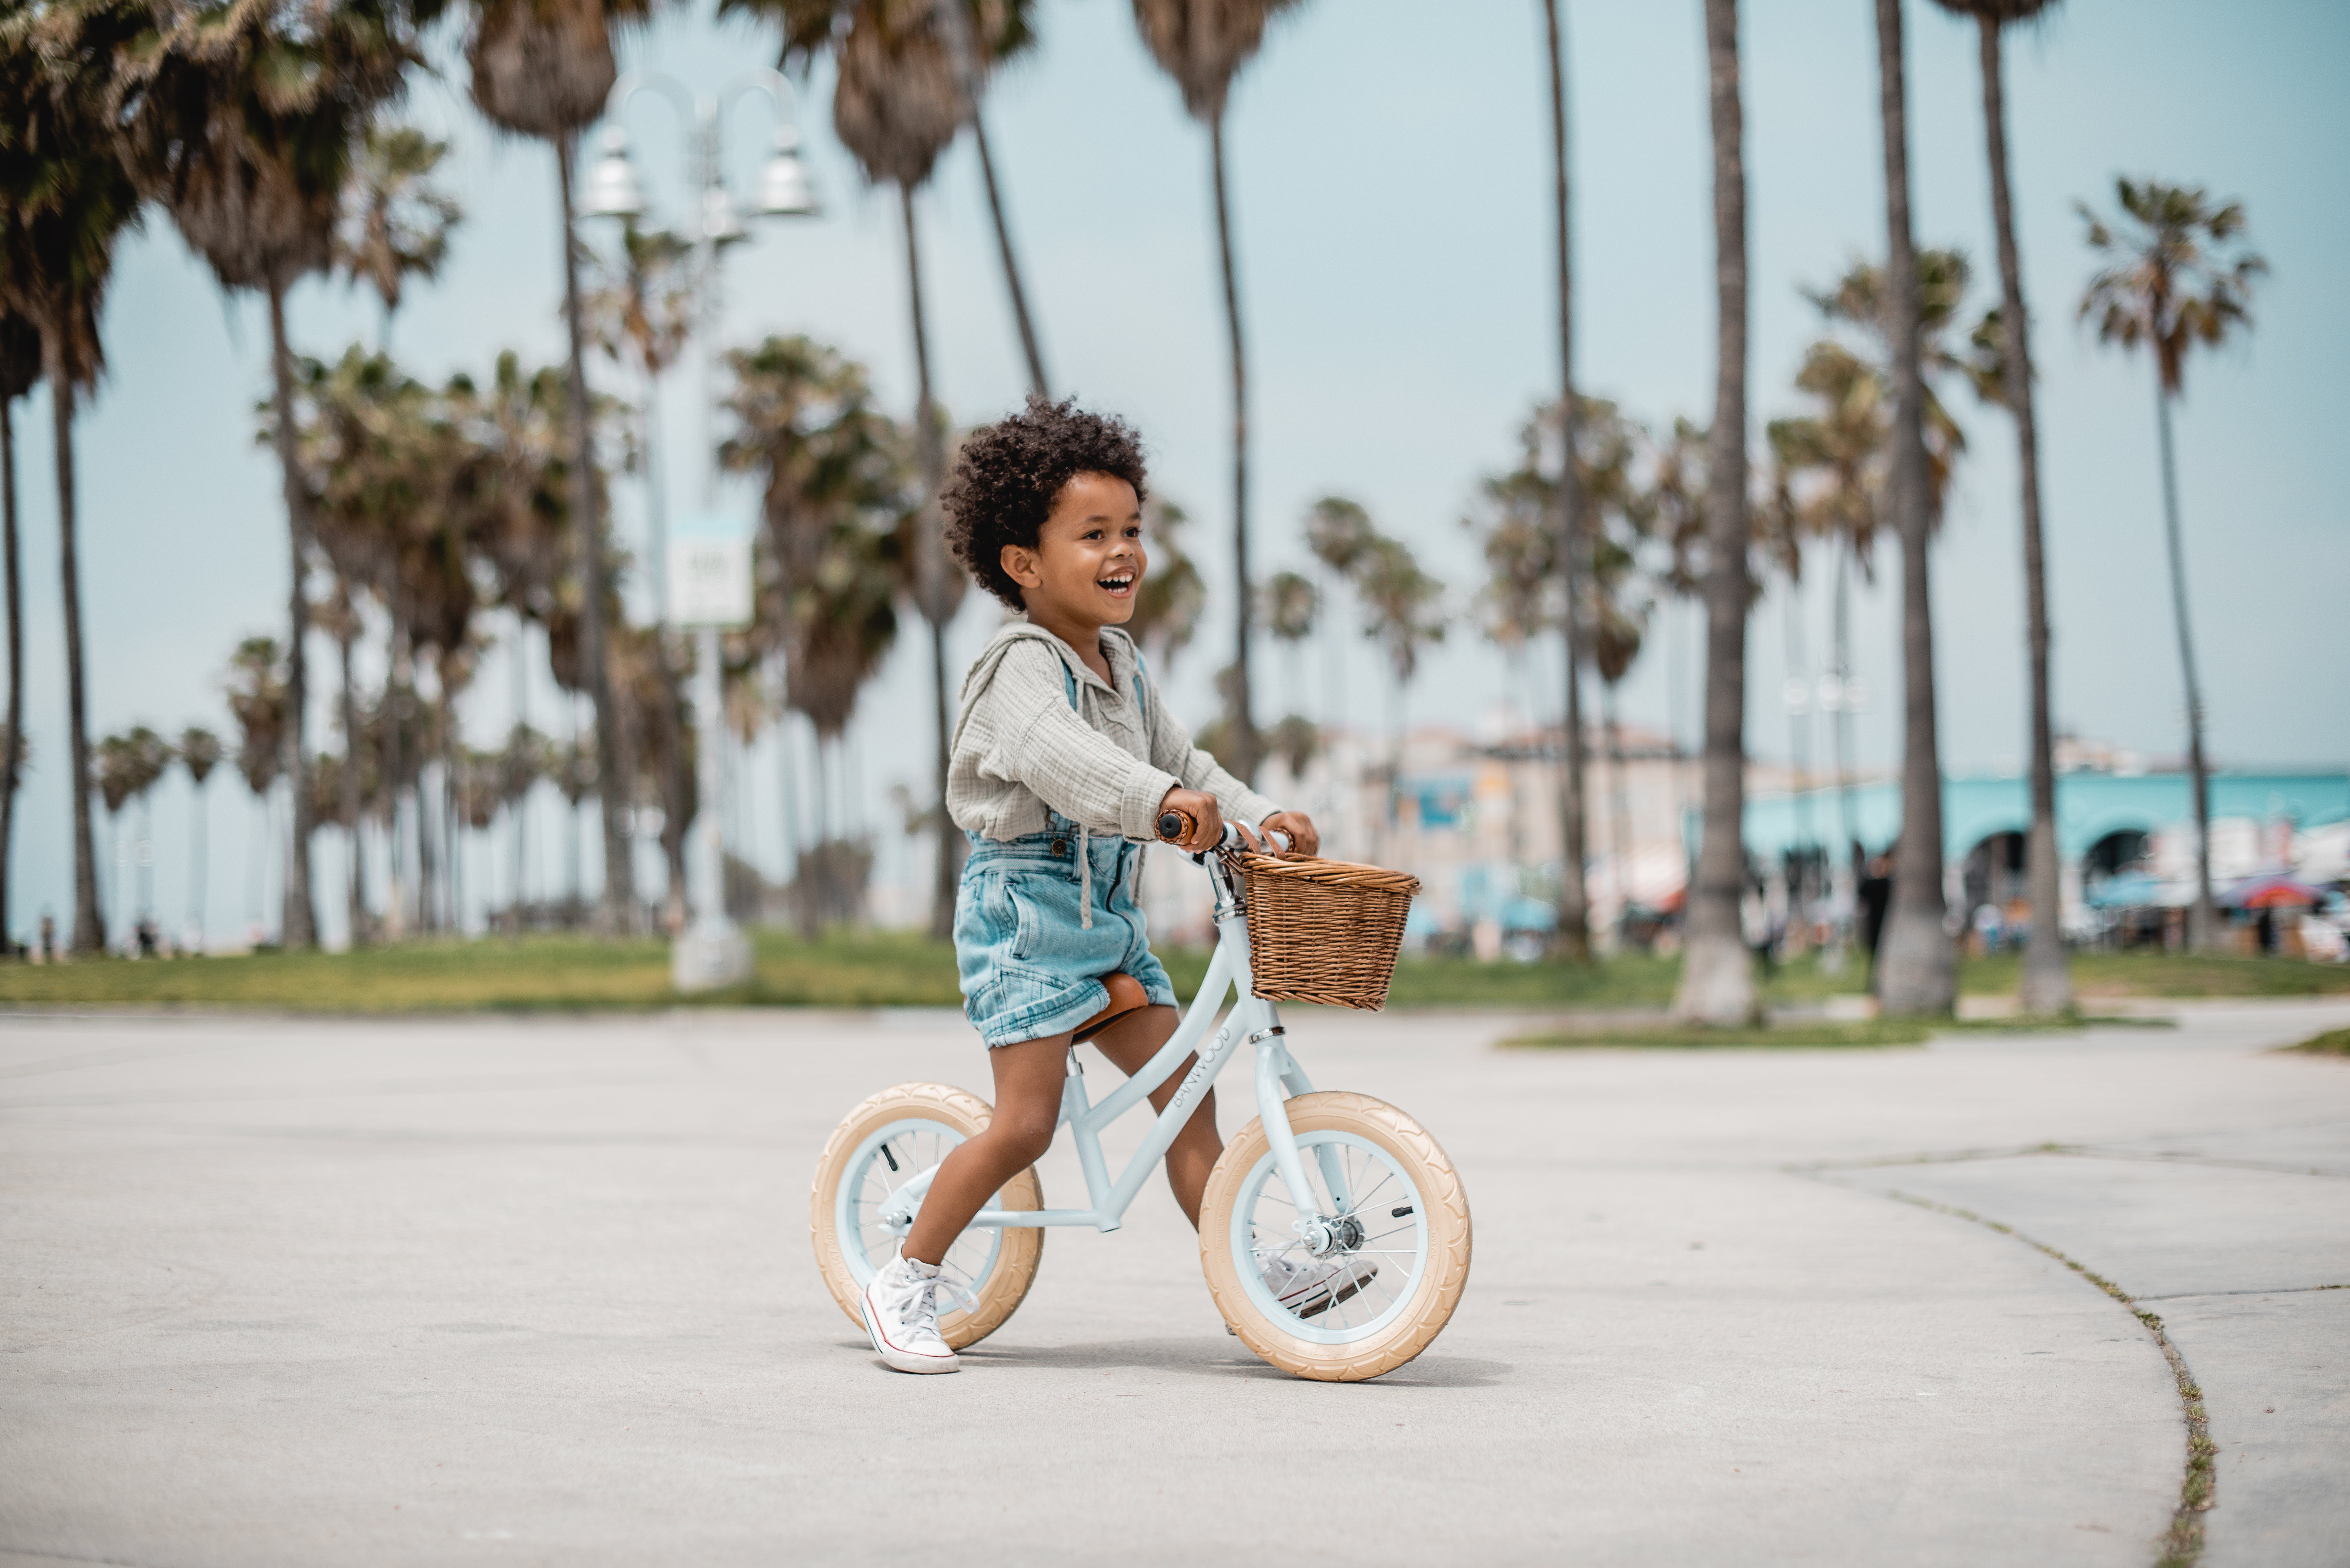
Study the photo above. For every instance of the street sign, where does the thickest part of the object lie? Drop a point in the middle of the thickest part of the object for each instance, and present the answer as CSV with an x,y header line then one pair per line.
x,y
709,577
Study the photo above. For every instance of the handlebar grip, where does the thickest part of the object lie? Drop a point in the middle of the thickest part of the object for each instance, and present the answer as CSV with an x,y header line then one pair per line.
x,y
1174,826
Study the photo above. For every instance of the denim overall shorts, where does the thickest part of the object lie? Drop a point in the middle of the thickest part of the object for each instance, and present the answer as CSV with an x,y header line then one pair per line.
x,y
1039,919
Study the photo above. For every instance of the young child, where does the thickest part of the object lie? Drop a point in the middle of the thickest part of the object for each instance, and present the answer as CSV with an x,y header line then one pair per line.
x,y
1063,759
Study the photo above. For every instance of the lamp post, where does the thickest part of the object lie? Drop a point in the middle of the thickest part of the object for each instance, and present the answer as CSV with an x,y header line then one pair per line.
x,y
707,584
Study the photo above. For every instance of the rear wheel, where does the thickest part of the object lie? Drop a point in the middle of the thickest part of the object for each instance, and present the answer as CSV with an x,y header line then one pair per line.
x,y
1384,1228
881,1145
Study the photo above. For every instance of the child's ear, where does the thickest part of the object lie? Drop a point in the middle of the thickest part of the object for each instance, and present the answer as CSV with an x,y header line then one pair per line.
x,y
1019,562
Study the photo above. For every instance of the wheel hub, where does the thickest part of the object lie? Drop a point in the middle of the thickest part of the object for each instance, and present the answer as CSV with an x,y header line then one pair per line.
x,y
1327,1237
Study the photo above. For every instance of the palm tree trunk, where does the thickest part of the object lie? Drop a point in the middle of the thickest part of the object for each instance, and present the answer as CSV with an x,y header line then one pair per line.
x,y
11,759
1716,983
1619,816
618,914
301,925
2201,919
930,572
395,760
199,861
1245,738
89,930
1847,823
353,742
1036,380
1919,969
1573,896
2047,984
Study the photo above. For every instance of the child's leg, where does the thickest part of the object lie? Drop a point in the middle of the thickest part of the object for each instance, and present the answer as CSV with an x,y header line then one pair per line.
x,y
1027,1108
1130,1042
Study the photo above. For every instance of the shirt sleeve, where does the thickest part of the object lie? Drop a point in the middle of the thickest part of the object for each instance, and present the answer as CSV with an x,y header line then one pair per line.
x,y
1067,763
1172,749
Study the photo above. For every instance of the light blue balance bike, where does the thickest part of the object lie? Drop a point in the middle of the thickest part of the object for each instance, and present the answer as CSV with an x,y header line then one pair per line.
x,y
1333,1231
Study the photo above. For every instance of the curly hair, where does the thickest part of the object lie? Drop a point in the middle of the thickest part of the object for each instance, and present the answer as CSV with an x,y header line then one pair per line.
x,y
1008,473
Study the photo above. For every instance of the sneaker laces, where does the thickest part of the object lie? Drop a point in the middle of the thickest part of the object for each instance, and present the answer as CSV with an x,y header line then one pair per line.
x,y
912,1290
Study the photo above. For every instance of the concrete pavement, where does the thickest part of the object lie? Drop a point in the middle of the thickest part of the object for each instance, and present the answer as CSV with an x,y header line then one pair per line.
x,y
302,1292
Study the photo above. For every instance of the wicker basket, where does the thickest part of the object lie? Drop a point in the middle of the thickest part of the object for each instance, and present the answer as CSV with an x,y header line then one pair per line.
x,y
1324,930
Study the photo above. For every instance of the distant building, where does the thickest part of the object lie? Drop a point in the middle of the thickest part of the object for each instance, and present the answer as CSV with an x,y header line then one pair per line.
x,y
1476,819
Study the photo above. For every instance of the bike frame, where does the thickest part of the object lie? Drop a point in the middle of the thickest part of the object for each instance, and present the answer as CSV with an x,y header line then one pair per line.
x,y
1252,1021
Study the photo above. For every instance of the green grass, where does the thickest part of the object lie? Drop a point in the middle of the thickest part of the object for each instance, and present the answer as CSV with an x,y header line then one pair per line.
x,y
1808,1033
2160,974
2333,1043
540,973
1815,1033
552,974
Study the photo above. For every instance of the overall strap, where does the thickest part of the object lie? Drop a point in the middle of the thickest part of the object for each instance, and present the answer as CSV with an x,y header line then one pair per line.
x,y
1141,689
1084,846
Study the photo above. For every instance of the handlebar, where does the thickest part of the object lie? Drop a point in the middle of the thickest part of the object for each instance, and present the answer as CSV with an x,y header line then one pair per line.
x,y
1174,826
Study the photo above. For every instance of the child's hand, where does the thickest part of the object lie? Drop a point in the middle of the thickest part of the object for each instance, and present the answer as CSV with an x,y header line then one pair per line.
x,y
1299,827
1207,819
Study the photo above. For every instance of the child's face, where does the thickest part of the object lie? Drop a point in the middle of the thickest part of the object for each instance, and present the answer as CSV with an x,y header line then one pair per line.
x,y
1087,562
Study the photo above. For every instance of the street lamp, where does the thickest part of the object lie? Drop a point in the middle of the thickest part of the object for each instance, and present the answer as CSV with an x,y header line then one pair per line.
x,y
709,584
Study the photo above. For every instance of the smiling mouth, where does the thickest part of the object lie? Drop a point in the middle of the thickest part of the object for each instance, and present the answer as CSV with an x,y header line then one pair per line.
x,y
1115,583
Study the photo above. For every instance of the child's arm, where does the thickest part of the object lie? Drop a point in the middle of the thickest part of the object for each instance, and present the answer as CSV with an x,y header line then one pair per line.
x,y
1026,732
1172,749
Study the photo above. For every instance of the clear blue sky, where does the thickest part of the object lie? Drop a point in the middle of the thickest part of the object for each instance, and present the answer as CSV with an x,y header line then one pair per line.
x,y
1390,196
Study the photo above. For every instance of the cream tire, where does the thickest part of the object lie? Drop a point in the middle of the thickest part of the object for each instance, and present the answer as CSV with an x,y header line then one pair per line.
x,y
1412,1205
993,1266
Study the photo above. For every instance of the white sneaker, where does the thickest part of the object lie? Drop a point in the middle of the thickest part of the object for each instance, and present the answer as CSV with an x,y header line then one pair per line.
x,y
1314,1287
902,1317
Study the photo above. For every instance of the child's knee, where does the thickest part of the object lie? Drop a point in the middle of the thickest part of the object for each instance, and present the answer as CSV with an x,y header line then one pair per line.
x,y
1026,1135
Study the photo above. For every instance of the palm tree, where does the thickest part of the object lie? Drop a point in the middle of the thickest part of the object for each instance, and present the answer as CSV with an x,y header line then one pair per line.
x,y
1716,983
1831,462
1859,300
1835,461
110,773
2047,981
643,309
256,701
1916,971
574,776
149,756
543,68
897,103
1203,44
841,518
20,367
983,35
1517,533
1166,607
1403,617
2177,274
246,124
1338,531
1291,609
364,480
64,199
526,758
396,222
200,752
1574,938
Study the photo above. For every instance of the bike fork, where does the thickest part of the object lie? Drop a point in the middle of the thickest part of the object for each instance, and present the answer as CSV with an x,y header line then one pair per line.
x,y
1278,1076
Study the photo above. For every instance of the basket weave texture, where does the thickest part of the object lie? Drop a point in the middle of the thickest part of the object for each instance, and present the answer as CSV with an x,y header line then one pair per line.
x,y
1324,930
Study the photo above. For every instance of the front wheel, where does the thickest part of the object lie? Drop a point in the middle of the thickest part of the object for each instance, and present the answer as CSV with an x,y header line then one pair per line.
x,y
878,1148
1384,1253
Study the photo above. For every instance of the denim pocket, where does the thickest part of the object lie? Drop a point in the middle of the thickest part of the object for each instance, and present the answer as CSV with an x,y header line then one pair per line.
x,y
1025,896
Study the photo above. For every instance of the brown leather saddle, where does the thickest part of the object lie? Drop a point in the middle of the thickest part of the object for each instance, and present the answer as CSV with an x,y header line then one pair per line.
x,y
1125,995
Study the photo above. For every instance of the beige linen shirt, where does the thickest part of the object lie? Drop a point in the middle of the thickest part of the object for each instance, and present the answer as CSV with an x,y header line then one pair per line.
x,y
1105,763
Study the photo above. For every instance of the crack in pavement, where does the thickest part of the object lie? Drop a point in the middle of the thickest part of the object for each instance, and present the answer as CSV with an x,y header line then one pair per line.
x,y
2273,1290
2183,1542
